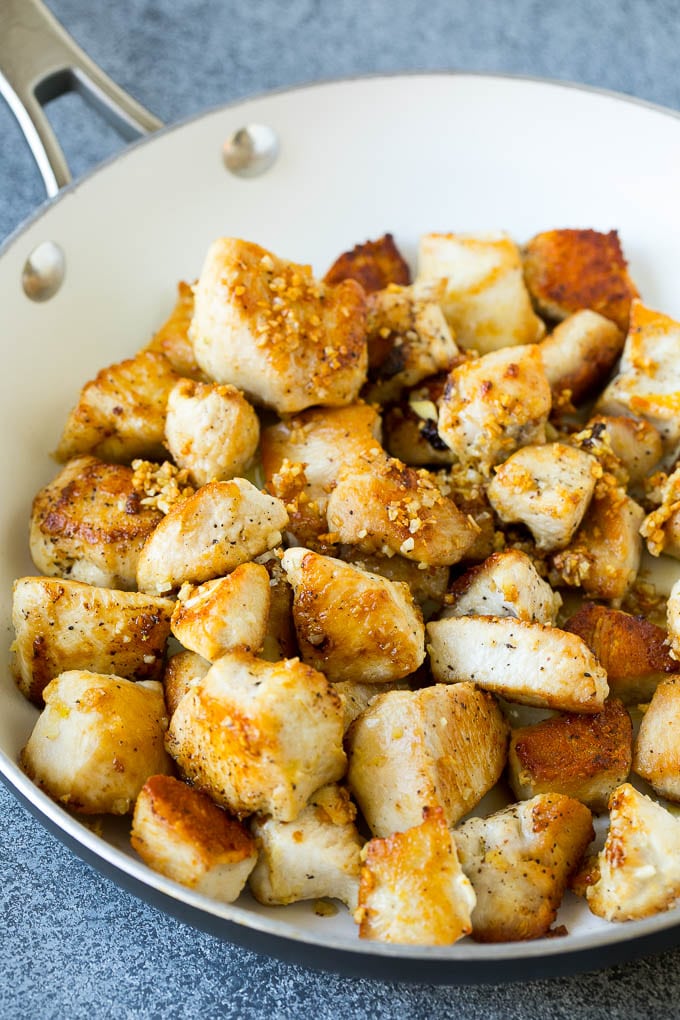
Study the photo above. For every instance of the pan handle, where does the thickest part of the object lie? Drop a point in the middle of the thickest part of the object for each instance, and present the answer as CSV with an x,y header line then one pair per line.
x,y
40,61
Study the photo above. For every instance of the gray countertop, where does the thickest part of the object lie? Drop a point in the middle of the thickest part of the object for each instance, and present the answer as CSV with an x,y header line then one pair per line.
x,y
72,944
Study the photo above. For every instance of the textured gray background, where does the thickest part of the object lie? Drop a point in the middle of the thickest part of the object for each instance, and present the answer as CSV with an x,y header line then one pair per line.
x,y
71,944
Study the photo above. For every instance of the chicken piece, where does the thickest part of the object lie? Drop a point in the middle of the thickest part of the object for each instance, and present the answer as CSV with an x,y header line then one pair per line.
x,y
268,327
302,459
637,873
529,663
505,584
183,671
172,339
495,404
567,270
427,584
221,526
225,614
410,427
442,746
182,834
408,339
633,652
280,641
657,747
374,264
673,622
259,736
648,383
519,861
637,444
97,741
63,625
579,355
547,488
486,302
211,430
357,696
350,624
582,756
661,527
89,524
381,505
315,856
120,414
604,556
413,890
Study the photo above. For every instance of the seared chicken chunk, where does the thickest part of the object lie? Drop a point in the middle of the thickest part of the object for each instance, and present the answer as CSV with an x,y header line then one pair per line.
x,y
441,746
637,873
582,756
121,414
183,671
221,526
225,614
374,264
268,327
657,747
314,856
413,890
637,444
548,488
519,861
505,584
97,741
89,524
172,339
211,430
579,355
486,302
495,404
61,625
259,736
350,624
524,662
182,834
633,651
567,270
357,696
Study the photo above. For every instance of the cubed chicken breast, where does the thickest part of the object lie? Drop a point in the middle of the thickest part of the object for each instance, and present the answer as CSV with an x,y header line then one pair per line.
x,y
524,662
582,756
350,624
259,736
225,614
486,302
62,625
205,536
211,430
495,404
89,524
657,746
519,861
182,834
183,671
268,327
442,746
505,584
413,890
97,741
172,339
315,856
636,443
548,488
120,415
579,355
373,264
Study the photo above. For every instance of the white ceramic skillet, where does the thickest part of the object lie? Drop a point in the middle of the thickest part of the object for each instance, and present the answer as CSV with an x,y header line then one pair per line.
x,y
408,154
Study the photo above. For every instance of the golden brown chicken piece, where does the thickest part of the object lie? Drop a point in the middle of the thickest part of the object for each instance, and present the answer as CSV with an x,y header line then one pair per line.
x,y
120,414
172,339
413,890
268,327
582,756
183,670
519,861
636,444
567,270
61,625
657,746
579,355
89,524
182,834
373,264
442,746
505,584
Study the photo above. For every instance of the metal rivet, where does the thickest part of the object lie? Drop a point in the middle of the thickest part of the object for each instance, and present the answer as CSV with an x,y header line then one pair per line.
x,y
251,150
43,272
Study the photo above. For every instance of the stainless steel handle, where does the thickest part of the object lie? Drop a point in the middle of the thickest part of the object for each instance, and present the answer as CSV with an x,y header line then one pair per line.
x,y
40,61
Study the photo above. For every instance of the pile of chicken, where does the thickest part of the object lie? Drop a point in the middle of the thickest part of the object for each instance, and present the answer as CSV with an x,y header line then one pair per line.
x,y
429,451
